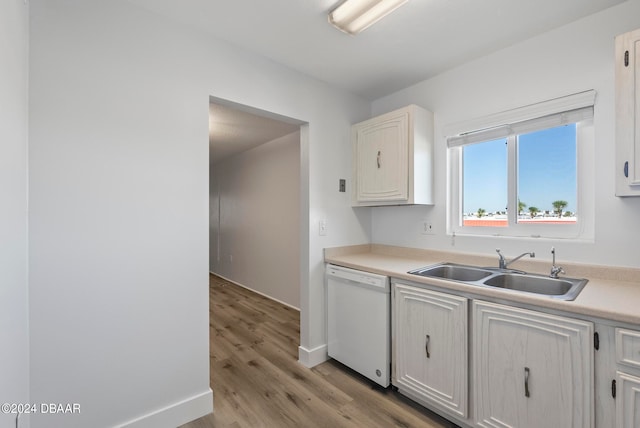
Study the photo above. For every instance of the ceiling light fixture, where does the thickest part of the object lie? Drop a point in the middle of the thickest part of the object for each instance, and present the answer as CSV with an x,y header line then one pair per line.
x,y
353,16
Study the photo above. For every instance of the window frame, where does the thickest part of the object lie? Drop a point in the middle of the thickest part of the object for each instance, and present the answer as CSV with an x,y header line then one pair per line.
x,y
583,229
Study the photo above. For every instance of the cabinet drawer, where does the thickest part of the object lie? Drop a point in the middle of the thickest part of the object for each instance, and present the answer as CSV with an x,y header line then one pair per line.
x,y
628,347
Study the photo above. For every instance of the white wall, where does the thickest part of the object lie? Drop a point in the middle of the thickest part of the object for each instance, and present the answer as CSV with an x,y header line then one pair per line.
x,y
119,197
571,59
118,218
14,333
259,222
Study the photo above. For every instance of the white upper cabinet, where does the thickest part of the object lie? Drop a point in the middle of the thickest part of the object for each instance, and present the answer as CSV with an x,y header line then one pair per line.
x,y
393,157
628,114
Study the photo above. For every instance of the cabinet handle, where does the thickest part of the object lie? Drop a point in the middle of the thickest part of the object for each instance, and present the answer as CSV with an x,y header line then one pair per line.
x,y
613,388
426,346
378,158
626,169
526,382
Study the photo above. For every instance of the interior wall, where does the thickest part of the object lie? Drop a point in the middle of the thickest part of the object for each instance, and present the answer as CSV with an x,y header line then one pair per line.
x,y
571,59
256,237
119,205
118,166
14,325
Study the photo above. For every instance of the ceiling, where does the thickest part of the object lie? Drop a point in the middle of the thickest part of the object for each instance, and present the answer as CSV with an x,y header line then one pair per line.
x,y
419,40
234,129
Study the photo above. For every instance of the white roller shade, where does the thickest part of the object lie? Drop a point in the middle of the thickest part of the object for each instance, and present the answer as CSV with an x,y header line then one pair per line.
x,y
549,114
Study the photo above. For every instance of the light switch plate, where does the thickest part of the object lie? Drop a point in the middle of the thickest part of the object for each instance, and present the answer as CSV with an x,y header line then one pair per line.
x,y
322,227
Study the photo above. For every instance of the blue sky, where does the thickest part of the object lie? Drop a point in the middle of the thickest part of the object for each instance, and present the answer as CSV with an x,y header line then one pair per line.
x,y
546,171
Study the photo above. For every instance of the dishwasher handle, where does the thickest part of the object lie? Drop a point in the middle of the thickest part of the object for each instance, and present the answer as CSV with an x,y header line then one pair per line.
x,y
358,278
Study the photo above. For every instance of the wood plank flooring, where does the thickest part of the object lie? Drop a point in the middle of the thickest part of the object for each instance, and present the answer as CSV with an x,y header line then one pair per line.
x,y
257,381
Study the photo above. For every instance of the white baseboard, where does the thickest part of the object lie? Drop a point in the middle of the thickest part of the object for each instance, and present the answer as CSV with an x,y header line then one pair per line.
x,y
312,357
175,414
255,291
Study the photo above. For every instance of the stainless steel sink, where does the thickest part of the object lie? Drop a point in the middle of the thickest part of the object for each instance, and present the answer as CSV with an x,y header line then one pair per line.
x,y
560,288
454,272
565,288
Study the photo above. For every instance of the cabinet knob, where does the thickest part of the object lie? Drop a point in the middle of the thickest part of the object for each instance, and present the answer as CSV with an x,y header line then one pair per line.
x,y
378,158
626,169
526,382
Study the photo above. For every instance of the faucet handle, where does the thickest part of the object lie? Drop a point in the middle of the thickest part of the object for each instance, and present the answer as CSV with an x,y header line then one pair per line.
x,y
555,271
502,263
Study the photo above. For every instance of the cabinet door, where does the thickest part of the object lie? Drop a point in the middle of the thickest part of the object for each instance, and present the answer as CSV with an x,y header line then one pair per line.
x,y
382,158
628,114
531,369
627,401
430,343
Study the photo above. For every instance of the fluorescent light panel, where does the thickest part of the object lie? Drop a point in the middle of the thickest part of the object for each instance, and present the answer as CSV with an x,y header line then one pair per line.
x,y
353,16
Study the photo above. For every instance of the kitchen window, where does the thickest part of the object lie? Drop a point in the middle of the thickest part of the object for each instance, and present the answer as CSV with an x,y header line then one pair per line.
x,y
526,172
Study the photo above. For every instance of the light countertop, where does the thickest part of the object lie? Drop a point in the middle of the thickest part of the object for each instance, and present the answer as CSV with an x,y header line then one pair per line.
x,y
612,293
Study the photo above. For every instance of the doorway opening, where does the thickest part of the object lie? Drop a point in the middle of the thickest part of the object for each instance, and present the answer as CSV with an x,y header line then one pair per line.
x,y
255,199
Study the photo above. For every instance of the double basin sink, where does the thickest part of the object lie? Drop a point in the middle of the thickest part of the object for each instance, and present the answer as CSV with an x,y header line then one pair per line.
x,y
557,288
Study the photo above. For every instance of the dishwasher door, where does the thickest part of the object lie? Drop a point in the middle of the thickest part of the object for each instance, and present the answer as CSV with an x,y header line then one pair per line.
x,y
359,322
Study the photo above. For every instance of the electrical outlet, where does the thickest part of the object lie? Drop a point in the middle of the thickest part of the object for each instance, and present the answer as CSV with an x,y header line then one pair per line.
x,y
427,228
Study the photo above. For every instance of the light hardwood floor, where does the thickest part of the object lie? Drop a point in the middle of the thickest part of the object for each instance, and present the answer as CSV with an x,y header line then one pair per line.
x,y
257,381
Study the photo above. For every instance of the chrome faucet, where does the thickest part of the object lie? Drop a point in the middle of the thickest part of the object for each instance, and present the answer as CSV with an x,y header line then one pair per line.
x,y
555,270
503,263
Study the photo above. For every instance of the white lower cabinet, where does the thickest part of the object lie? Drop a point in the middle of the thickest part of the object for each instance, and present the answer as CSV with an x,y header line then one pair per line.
x,y
531,369
627,388
627,401
429,331
485,364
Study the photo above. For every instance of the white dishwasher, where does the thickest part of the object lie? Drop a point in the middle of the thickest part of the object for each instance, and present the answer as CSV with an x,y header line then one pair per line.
x,y
359,322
